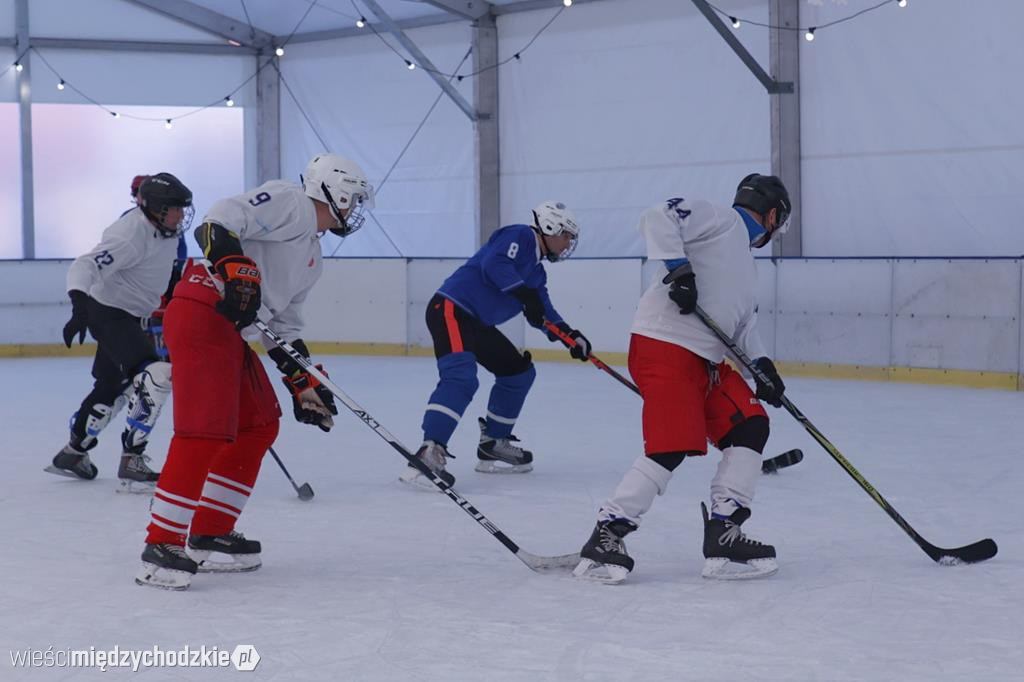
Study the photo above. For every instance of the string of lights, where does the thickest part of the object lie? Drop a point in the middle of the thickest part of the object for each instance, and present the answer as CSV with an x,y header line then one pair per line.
x,y
809,31
228,100
411,65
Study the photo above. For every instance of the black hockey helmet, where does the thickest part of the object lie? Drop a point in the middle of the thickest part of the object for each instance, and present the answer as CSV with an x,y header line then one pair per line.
x,y
762,193
161,192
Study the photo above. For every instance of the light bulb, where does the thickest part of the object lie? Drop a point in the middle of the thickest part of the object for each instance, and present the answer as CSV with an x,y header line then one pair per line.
x,y
279,52
361,22
60,86
168,124
228,101
809,36
735,22
115,114
18,67
902,3
567,3
409,65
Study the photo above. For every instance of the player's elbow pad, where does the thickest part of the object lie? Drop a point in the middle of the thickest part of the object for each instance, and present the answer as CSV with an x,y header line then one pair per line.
x,y
217,241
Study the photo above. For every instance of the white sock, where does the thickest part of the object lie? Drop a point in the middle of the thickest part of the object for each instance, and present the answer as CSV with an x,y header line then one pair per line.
x,y
636,491
735,481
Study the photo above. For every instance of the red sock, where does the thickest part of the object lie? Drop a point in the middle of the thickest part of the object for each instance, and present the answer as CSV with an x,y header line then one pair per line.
x,y
229,483
177,491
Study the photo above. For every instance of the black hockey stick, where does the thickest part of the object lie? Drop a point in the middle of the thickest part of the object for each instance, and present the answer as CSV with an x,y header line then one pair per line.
x,y
535,562
305,491
768,466
978,551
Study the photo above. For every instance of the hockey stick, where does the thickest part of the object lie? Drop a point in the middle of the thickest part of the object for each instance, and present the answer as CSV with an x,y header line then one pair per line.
x,y
978,551
768,466
571,343
305,491
533,561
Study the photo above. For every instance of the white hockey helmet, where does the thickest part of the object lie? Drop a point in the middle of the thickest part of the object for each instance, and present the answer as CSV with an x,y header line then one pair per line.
x,y
553,218
341,184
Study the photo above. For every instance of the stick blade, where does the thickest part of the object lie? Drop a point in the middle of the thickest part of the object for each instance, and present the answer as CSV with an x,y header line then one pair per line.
x,y
543,564
968,554
786,459
305,492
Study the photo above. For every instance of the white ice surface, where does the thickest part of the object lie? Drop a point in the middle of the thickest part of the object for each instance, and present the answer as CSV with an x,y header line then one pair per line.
x,y
373,581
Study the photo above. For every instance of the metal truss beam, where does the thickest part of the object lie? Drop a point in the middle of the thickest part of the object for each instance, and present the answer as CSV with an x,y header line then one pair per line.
x,y
421,59
464,9
140,46
773,86
209,21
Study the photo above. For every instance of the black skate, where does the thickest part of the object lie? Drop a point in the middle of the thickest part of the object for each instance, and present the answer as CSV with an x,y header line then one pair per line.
x,y
135,474
73,463
167,567
230,553
434,456
500,455
731,555
604,557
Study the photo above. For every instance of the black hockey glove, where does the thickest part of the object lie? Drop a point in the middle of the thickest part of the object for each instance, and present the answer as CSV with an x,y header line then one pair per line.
x,y
242,296
533,307
79,317
683,289
769,394
581,347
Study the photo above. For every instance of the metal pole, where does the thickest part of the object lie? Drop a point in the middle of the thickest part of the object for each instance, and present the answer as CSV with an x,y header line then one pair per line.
x,y
268,122
784,47
486,130
24,81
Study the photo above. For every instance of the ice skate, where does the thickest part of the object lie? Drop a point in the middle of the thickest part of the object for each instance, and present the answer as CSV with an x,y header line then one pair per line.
x,y
167,567
434,456
135,474
500,455
230,553
72,463
604,557
731,555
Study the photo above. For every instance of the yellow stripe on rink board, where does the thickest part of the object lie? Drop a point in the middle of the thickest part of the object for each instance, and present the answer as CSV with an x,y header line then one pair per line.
x,y
1008,381
46,350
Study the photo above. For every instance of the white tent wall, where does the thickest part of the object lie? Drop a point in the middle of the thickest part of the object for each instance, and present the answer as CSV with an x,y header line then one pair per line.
x,y
619,105
911,135
366,104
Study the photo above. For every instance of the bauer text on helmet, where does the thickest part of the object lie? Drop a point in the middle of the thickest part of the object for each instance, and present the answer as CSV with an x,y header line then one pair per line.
x,y
554,219
341,184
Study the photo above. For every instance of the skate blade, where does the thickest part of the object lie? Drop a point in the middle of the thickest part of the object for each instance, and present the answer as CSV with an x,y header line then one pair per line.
x,y
723,569
416,480
66,473
608,574
163,578
219,562
132,487
490,466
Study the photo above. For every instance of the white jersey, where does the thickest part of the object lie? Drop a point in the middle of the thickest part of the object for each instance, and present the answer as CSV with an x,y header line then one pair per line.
x,y
276,223
130,268
716,242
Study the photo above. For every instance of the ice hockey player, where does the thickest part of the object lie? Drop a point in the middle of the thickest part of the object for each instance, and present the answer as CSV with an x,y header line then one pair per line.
x,y
505,277
690,395
261,248
112,287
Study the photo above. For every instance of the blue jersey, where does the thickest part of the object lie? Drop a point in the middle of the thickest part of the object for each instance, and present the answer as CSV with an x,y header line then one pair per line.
x,y
482,286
